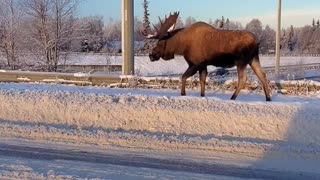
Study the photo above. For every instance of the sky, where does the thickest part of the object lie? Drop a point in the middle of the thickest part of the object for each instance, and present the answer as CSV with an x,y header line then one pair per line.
x,y
294,12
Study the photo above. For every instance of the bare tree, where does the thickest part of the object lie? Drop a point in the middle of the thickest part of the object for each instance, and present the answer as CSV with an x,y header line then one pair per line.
x,y
112,33
38,10
139,39
179,23
51,28
189,21
255,26
304,40
211,22
138,26
315,41
267,45
231,25
93,33
88,34
10,18
234,25
63,24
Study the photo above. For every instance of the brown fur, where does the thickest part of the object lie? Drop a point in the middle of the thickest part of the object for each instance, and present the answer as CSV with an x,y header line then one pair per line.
x,y
202,45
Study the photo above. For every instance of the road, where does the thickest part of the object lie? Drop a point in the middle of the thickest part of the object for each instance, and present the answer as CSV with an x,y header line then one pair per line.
x,y
40,161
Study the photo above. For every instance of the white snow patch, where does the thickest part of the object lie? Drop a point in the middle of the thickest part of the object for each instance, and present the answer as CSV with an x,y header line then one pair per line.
x,y
80,74
23,79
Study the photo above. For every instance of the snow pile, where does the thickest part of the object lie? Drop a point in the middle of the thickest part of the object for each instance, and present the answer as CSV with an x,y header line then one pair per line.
x,y
161,119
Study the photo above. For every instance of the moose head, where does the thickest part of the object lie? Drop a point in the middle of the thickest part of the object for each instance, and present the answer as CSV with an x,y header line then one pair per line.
x,y
166,31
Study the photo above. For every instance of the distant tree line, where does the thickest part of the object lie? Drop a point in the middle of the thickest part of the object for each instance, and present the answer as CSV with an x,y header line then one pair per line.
x,y
47,28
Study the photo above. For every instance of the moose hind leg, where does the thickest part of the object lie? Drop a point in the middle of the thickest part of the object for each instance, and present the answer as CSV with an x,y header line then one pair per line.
x,y
256,67
242,78
190,72
203,75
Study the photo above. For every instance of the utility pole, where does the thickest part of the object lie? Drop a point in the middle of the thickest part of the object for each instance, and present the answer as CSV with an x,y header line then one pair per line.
x,y
278,37
127,38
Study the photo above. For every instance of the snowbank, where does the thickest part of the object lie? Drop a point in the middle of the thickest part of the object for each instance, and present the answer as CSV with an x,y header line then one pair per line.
x,y
161,119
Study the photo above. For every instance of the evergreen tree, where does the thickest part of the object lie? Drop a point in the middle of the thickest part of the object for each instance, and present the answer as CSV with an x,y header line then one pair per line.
x,y
290,40
227,25
221,25
146,25
313,23
318,23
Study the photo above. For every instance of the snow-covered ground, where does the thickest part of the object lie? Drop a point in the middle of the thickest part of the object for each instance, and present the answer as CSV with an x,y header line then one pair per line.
x,y
60,132
144,67
51,131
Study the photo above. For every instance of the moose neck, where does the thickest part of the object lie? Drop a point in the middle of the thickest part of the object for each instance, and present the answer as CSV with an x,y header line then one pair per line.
x,y
175,44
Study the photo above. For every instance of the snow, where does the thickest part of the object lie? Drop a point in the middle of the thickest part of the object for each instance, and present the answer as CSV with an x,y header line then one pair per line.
x,y
144,67
278,136
55,131
80,74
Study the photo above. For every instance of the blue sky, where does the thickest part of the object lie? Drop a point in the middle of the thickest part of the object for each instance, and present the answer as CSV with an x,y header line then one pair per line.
x,y
295,12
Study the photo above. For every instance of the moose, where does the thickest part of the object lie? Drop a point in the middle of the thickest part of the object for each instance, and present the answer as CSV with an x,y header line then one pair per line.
x,y
201,45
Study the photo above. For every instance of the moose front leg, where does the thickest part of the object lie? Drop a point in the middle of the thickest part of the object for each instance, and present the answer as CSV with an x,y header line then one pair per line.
x,y
190,72
203,72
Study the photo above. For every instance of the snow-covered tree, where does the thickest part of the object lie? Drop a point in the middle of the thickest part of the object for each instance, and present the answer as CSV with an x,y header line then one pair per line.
x,y
10,21
267,45
291,42
255,26
146,25
189,21
51,28
222,23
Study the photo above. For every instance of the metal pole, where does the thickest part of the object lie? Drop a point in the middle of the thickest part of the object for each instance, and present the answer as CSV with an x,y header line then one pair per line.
x,y
278,36
127,38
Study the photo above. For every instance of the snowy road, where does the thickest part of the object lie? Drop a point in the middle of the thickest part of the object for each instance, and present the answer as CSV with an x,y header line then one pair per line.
x,y
59,163
38,163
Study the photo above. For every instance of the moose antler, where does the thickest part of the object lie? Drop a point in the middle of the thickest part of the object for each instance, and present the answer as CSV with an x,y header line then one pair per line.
x,y
167,25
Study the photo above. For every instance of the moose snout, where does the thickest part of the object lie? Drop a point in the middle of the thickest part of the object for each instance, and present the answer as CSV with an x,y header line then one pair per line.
x,y
153,57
